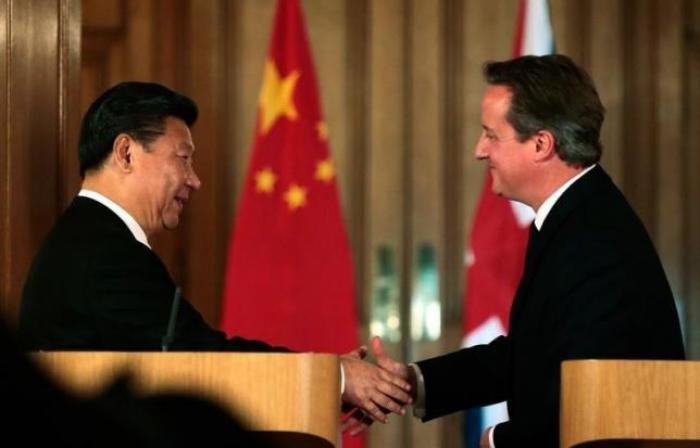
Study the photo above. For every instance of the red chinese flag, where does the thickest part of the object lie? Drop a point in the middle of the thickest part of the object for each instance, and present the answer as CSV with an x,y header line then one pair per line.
x,y
289,277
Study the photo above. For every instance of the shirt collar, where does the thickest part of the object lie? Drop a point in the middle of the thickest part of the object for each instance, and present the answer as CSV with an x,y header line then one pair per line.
x,y
548,203
129,220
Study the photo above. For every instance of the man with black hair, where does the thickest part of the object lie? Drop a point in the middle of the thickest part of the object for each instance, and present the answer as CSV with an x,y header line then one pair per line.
x,y
592,286
95,283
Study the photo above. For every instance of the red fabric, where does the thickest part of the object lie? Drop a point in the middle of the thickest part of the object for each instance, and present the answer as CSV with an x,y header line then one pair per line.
x,y
498,246
519,29
289,278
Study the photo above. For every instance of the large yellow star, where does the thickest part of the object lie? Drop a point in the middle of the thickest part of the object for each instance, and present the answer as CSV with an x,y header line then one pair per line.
x,y
265,180
276,96
325,170
295,197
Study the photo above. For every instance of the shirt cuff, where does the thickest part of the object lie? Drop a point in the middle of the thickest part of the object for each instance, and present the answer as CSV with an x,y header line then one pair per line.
x,y
491,431
342,380
419,404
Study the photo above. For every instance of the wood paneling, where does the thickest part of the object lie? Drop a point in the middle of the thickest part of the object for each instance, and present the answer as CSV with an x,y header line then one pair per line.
x,y
668,147
691,196
39,84
206,235
6,300
357,122
606,18
453,225
426,151
639,175
69,100
386,197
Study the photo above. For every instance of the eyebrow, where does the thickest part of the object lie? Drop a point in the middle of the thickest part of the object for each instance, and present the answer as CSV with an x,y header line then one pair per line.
x,y
187,145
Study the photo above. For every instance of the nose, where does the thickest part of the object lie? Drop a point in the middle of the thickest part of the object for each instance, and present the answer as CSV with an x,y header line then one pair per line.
x,y
193,180
480,149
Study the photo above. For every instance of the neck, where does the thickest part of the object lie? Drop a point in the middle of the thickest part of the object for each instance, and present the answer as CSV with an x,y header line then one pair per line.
x,y
105,184
550,180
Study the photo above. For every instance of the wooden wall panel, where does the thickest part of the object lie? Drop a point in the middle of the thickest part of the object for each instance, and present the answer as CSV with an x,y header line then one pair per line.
x,y
39,57
69,109
387,197
356,64
668,147
606,68
639,175
425,152
425,133
691,196
453,225
206,235
6,301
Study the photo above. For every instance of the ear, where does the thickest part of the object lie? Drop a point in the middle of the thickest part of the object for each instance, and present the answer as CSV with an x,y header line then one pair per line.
x,y
123,152
545,145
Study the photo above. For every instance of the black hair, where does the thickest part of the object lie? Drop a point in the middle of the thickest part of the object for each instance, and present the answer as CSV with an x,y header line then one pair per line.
x,y
551,92
138,109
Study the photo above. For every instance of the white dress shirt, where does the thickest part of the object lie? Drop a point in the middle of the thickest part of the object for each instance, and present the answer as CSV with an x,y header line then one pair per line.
x,y
129,220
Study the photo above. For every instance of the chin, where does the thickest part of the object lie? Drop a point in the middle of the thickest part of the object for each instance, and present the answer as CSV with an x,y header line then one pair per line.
x,y
171,223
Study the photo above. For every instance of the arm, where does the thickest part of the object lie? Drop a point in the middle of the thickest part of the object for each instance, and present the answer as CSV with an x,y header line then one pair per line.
x,y
132,297
469,377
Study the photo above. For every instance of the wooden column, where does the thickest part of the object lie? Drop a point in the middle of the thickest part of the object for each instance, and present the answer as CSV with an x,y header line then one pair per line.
x,y
39,78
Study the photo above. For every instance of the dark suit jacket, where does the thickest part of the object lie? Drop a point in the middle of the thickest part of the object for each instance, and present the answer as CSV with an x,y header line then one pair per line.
x,y
93,286
592,287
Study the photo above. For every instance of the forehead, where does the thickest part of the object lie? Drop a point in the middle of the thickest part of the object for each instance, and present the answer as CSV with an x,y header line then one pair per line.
x,y
497,99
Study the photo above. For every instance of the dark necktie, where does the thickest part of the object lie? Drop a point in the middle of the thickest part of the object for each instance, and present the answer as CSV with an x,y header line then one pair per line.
x,y
531,243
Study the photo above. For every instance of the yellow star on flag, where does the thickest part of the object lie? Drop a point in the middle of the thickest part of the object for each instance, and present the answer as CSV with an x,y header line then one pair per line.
x,y
265,180
322,129
295,197
276,96
325,170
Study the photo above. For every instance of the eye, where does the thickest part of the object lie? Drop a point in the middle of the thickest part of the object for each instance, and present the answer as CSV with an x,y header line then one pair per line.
x,y
490,136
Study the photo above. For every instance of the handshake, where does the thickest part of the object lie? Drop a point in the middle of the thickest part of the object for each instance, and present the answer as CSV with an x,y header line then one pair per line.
x,y
373,391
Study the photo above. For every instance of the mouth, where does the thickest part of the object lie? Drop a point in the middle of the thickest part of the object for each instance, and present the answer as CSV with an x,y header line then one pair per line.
x,y
180,201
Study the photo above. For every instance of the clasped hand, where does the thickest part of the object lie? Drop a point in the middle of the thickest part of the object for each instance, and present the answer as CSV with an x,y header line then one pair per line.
x,y
375,390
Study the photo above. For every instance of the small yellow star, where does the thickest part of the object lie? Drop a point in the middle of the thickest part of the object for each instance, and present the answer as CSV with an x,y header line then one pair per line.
x,y
295,196
265,180
322,129
325,170
276,96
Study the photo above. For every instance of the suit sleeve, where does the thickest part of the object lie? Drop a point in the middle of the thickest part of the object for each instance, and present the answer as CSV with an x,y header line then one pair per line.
x,y
132,299
469,377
